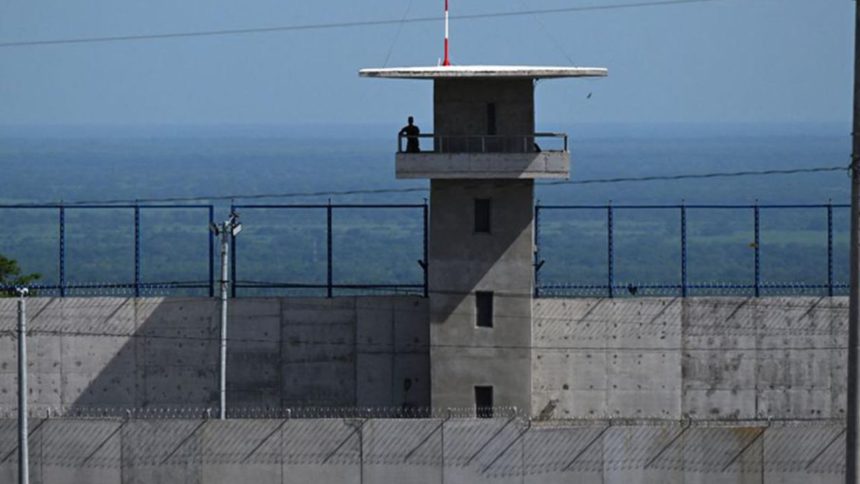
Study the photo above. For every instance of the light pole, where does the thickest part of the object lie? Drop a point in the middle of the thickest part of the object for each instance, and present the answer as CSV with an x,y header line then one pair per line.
x,y
23,447
853,398
227,229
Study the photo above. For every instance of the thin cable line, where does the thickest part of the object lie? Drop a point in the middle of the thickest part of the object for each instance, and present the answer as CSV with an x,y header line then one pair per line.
x,y
693,176
257,196
397,35
379,191
339,25
548,33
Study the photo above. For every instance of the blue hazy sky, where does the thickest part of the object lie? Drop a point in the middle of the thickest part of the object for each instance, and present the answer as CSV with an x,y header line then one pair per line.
x,y
751,61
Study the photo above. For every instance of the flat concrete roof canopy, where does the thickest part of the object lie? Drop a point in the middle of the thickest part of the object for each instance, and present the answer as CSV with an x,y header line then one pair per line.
x,y
485,72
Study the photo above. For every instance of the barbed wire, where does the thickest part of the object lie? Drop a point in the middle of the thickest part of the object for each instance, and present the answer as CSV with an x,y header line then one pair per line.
x,y
621,288
486,447
166,412
77,411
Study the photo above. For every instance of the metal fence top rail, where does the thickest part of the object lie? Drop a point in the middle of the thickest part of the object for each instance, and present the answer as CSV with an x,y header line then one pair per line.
x,y
694,206
488,143
479,135
333,205
413,205
98,206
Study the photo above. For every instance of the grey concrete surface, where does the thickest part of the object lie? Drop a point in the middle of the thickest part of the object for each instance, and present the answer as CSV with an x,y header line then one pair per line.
x,y
95,451
543,165
633,358
163,352
463,262
706,358
460,108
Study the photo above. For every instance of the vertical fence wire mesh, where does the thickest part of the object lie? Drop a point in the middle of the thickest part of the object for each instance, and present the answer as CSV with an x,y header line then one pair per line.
x,y
560,279
101,278
348,268
551,275
437,448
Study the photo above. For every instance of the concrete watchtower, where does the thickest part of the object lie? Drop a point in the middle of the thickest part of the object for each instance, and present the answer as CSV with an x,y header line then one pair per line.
x,y
482,161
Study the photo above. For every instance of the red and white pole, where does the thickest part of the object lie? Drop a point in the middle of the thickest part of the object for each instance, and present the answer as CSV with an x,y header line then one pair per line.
x,y
447,61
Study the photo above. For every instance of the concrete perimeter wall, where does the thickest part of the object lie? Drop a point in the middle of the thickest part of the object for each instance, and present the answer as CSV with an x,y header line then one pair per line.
x,y
706,358
431,451
163,352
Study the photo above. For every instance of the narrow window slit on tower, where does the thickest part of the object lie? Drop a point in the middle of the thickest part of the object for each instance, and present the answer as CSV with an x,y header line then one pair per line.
x,y
484,309
491,143
491,119
482,215
484,401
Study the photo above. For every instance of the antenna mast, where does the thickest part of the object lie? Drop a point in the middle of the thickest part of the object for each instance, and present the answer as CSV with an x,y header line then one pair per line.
x,y
447,61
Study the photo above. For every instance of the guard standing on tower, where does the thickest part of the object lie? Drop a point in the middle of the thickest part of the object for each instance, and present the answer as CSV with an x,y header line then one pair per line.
x,y
411,132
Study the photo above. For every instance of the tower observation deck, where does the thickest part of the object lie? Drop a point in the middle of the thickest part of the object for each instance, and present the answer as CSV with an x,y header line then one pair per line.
x,y
484,123
482,161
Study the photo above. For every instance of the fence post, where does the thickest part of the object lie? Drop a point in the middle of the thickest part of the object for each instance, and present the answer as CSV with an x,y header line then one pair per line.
x,y
611,268
23,393
683,251
830,249
537,251
136,250
329,291
426,264
442,448
233,258
62,250
361,450
212,253
757,246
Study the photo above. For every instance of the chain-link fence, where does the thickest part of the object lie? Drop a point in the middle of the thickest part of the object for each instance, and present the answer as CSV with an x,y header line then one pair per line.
x,y
691,250
443,448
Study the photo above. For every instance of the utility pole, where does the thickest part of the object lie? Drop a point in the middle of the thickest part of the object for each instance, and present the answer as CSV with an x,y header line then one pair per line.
x,y
23,447
229,228
853,407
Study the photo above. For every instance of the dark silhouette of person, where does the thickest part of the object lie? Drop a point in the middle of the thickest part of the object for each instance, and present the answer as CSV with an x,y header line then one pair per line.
x,y
411,132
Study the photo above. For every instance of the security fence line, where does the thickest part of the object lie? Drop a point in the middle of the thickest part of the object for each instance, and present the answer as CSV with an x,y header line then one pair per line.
x,y
682,287
450,447
137,287
66,284
330,285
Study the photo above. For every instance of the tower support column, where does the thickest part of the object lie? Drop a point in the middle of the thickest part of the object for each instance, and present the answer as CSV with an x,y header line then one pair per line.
x,y
481,287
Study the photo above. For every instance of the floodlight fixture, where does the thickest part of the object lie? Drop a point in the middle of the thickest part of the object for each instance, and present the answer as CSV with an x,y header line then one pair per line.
x,y
236,229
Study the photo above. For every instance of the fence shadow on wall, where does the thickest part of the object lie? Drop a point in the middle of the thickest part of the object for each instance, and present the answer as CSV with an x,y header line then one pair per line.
x,y
139,353
456,450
